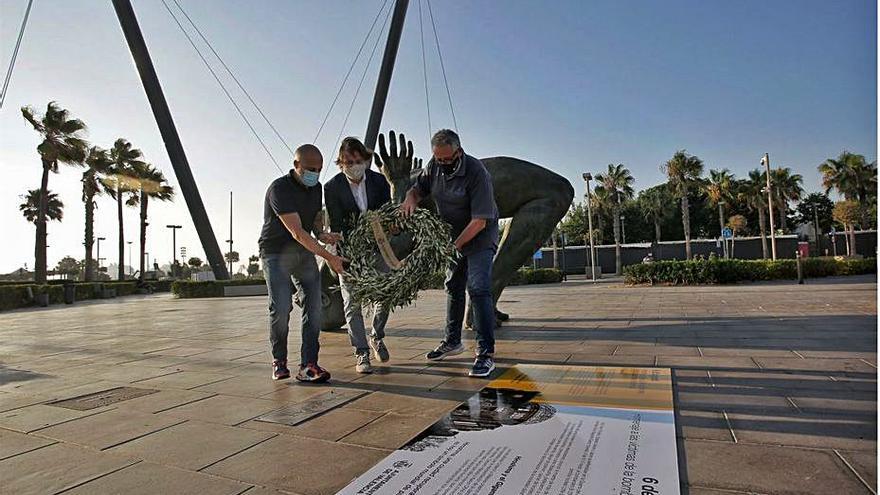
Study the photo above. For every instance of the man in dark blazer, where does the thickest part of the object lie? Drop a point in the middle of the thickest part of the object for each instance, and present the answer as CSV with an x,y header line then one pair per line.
x,y
348,194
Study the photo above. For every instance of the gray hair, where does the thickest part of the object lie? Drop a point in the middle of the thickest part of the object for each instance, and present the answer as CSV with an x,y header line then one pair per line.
x,y
445,137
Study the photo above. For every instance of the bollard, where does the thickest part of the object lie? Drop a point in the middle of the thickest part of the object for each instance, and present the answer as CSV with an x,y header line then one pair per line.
x,y
800,268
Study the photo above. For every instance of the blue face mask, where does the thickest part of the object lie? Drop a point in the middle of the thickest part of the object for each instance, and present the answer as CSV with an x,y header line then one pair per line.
x,y
310,178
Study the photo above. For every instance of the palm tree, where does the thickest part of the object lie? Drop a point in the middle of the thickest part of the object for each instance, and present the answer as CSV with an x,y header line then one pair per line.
x,y
30,209
753,194
786,188
736,223
654,203
719,188
151,183
853,177
683,172
98,163
62,143
600,203
617,181
121,182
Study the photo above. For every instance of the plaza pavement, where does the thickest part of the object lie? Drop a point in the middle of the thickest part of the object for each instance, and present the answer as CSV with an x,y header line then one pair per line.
x,y
775,387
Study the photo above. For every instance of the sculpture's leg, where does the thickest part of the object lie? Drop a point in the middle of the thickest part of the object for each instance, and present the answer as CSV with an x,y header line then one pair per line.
x,y
333,316
532,223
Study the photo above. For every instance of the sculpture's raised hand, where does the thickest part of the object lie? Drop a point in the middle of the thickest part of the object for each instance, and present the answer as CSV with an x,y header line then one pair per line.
x,y
396,166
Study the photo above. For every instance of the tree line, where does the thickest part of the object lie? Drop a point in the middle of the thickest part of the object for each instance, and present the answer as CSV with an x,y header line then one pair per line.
x,y
689,203
120,172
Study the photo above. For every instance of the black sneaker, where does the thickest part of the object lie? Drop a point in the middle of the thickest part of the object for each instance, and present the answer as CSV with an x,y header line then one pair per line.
x,y
279,369
444,350
379,350
483,366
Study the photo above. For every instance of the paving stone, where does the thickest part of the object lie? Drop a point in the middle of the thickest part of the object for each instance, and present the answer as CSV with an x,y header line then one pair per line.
x,y
406,404
391,431
246,386
772,470
400,378
31,418
615,360
865,464
704,425
147,478
162,400
108,429
57,467
805,430
13,443
815,364
223,409
9,401
706,362
183,380
263,466
656,350
192,445
845,407
332,425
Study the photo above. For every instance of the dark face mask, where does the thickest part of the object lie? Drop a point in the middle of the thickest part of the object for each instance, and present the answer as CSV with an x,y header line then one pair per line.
x,y
449,168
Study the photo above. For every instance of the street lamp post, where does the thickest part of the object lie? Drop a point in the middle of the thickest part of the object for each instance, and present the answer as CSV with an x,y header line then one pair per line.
x,y
174,241
129,257
766,162
587,178
818,234
146,261
721,218
99,239
623,228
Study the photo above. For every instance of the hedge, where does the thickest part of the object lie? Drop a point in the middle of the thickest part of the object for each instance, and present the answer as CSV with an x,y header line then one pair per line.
x,y
186,289
721,271
14,296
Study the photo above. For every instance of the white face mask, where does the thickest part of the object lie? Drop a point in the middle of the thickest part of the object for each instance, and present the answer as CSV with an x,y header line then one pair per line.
x,y
355,171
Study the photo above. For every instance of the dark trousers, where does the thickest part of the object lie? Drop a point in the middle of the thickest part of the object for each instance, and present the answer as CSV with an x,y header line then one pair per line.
x,y
471,273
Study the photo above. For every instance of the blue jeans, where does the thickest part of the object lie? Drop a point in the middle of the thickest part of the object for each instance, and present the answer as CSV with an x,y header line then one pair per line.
x,y
473,273
283,272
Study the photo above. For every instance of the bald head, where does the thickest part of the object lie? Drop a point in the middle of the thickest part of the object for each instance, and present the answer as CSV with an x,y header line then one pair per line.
x,y
308,157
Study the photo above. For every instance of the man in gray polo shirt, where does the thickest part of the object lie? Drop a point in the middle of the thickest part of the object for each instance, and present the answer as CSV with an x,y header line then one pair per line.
x,y
462,189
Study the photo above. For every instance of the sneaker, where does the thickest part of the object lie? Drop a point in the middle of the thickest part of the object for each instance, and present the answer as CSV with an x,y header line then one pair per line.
x,y
312,373
444,350
483,366
379,349
363,363
279,369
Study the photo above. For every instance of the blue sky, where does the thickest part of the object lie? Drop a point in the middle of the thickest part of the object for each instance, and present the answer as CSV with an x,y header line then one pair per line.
x,y
572,86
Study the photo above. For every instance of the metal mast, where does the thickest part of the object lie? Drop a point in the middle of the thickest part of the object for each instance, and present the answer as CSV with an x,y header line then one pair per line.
x,y
161,112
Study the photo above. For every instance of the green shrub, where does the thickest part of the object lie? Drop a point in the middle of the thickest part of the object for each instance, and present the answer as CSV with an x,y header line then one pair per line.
x,y
528,276
15,296
721,271
186,289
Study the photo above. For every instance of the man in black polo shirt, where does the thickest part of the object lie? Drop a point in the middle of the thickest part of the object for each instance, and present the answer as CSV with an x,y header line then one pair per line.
x,y
462,188
291,214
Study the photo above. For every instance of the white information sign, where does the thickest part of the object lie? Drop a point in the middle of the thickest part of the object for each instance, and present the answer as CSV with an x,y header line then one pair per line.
x,y
542,430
